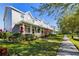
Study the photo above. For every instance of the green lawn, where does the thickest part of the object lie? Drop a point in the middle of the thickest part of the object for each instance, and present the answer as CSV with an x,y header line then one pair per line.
x,y
75,42
39,47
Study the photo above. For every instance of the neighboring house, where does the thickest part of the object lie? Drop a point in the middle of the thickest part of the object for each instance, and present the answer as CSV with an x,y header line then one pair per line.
x,y
18,21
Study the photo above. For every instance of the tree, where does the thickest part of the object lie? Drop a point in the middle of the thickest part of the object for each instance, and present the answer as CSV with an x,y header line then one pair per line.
x,y
50,8
70,24
68,15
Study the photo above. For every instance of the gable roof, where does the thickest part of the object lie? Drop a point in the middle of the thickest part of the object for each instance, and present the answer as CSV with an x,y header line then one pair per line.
x,y
34,21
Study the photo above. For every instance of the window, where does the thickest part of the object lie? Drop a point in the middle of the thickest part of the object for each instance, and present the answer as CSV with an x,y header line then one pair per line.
x,y
22,17
42,31
38,30
33,30
28,29
33,21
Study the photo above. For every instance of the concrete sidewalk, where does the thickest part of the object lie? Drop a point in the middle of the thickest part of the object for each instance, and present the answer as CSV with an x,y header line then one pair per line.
x,y
67,48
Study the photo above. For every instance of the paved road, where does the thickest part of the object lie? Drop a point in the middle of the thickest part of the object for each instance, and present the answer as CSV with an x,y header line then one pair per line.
x,y
67,48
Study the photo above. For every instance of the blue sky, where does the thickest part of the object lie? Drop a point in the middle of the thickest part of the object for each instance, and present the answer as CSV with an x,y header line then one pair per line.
x,y
26,7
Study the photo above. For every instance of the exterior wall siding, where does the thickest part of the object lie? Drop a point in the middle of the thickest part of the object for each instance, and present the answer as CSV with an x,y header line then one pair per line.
x,y
8,20
15,29
13,17
16,17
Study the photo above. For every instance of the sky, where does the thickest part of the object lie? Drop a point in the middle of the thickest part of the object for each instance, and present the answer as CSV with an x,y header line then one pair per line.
x,y
26,7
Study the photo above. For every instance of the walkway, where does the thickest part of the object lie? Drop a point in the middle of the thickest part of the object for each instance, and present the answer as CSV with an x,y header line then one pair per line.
x,y
67,48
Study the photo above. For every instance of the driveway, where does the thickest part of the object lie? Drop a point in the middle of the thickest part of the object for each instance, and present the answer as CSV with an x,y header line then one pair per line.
x,y
67,48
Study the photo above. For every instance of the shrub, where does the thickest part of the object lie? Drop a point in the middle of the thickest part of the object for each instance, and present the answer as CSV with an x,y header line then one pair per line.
x,y
17,37
3,51
14,37
5,35
30,37
1,35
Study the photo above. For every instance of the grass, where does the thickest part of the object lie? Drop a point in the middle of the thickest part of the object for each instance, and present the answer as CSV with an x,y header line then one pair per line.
x,y
75,42
39,47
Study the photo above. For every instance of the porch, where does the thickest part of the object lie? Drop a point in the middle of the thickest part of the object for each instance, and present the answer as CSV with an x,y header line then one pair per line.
x,y
26,28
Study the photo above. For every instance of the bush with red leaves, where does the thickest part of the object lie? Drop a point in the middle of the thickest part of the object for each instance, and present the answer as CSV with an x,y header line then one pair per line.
x,y
3,51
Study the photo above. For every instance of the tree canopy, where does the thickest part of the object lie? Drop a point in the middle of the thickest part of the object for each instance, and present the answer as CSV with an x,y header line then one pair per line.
x,y
68,21
61,8
70,24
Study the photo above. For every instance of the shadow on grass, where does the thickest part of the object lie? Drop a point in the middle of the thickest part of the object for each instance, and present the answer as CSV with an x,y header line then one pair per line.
x,y
76,39
35,48
40,49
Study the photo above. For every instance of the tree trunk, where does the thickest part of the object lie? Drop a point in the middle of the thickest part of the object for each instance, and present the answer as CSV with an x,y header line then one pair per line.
x,y
72,36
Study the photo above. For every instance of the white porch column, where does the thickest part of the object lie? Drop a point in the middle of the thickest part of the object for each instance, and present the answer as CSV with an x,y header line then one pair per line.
x,y
36,29
30,29
23,28
40,30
